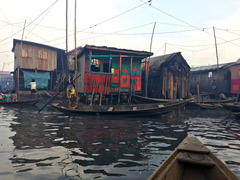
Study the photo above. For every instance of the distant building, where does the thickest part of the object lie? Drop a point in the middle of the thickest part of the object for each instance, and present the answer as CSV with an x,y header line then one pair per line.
x,y
211,79
169,77
45,64
6,80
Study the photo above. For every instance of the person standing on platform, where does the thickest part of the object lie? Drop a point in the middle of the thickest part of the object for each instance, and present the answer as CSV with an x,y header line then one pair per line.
x,y
71,96
33,86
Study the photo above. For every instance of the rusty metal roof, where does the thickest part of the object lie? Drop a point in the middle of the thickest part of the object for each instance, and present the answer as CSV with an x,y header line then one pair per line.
x,y
115,50
15,41
211,67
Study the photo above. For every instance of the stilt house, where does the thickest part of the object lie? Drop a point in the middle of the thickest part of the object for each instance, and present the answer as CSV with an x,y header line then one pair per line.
x,y
109,70
212,79
169,77
37,61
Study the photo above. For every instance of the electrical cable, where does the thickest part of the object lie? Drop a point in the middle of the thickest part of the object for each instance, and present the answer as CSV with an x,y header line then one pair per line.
x,y
27,24
129,10
185,22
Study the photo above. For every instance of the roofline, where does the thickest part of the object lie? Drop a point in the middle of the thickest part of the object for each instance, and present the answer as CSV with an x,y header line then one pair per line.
x,y
172,56
213,67
15,41
105,48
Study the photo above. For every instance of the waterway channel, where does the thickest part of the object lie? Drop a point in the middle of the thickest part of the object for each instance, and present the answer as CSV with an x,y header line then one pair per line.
x,y
52,145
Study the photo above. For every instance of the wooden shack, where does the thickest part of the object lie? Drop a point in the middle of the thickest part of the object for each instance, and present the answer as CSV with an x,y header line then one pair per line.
x,y
109,70
169,77
212,79
37,61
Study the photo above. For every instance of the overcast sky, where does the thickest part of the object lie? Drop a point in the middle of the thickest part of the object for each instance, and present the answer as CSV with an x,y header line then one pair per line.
x,y
181,26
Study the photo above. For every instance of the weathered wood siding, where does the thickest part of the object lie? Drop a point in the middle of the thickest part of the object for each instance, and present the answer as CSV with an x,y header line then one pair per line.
x,y
35,57
169,85
169,77
222,79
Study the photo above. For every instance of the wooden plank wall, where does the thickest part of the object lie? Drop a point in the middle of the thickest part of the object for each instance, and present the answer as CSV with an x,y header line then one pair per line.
x,y
36,57
169,85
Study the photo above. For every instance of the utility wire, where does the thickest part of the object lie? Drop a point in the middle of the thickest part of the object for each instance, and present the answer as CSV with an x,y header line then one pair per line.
x,y
185,22
116,33
27,24
109,19
29,31
227,30
48,9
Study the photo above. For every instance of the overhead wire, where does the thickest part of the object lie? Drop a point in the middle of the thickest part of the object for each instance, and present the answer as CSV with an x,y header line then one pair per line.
x,y
185,22
109,19
28,23
48,10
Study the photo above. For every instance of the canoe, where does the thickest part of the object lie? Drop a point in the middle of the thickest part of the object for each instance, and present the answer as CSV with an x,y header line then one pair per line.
x,y
237,115
121,110
216,101
234,107
209,106
20,102
147,100
192,160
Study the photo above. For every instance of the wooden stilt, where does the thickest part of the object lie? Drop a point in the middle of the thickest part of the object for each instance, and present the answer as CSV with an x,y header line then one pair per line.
x,y
100,99
91,102
198,96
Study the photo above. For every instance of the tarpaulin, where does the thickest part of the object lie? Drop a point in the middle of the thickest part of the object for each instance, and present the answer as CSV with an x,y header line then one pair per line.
x,y
41,79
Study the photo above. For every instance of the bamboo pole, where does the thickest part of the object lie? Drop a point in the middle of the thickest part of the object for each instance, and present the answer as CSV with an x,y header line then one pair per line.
x,y
198,95
120,66
100,99
75,34
218,81
18,64
148,62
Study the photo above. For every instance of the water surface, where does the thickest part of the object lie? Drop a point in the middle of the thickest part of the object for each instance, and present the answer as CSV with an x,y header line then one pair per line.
x,y
52,145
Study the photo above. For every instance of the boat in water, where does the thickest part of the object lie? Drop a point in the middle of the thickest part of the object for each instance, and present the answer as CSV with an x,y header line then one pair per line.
x,y
121,110
20,102
192,160
209,106
147,100
233,107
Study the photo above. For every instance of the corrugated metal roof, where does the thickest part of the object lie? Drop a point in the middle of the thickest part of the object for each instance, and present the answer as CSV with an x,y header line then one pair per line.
x,y
211,67
156,62
117,50
15,41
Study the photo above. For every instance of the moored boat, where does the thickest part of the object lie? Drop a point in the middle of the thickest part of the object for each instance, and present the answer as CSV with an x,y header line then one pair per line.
x,y
122,110
237,115
192,160
20,102
147,100
234,107
209,106
219,101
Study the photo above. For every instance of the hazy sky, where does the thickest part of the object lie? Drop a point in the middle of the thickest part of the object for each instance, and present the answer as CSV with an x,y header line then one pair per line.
x,y
185,26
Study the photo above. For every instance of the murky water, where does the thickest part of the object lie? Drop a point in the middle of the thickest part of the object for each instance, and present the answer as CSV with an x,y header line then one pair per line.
x,y
52,145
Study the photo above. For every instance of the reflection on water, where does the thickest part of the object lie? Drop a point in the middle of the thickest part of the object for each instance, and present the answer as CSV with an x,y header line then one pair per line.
x,y
52,145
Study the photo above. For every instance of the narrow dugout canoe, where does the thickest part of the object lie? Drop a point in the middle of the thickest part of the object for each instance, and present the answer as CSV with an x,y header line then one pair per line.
x,y
191,160
20,102
147,100
121,110
209,106
234,107
216,101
